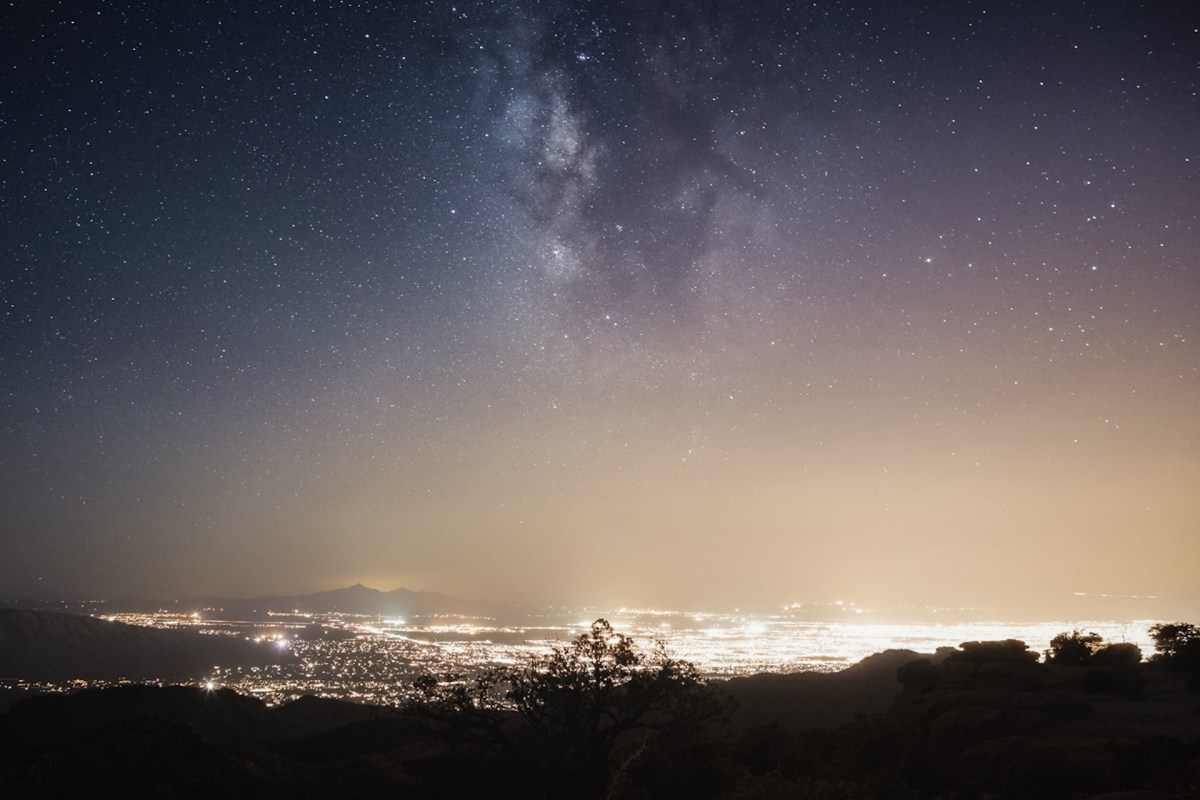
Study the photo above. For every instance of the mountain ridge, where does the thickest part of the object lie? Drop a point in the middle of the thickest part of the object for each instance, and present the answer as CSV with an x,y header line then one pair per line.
x,y
355,599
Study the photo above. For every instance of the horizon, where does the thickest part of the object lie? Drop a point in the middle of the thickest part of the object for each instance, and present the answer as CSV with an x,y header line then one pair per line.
x,y
844,611
578,303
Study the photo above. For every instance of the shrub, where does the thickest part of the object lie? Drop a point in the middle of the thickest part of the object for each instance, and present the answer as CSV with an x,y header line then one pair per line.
x,y
1121,654
1074,648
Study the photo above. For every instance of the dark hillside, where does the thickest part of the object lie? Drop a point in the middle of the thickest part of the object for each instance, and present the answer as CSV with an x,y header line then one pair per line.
x,y
805,700
986,720
45,646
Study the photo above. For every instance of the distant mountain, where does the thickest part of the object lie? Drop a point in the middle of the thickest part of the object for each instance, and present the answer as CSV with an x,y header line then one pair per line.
x,y
46,646
356,599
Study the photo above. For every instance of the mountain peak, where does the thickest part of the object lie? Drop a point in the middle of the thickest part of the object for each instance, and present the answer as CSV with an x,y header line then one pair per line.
x,y
357,590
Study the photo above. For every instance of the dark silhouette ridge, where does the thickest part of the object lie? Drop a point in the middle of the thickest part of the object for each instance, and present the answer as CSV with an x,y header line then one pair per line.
x,y
214,714
1178,648
982,720
310,715
173,741
45,646
991,716
806,700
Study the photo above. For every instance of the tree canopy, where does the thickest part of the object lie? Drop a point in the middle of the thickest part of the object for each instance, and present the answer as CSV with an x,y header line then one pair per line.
x,y
1175,639
1178,645
583,711
1075,647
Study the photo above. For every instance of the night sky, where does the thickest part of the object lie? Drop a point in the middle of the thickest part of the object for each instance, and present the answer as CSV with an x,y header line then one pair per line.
x,y
692,304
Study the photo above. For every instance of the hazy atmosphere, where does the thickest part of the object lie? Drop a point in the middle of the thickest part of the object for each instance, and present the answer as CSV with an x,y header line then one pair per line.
x,y
689,304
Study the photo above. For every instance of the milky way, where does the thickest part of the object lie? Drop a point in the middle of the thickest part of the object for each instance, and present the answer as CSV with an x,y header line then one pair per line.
x,y
688,303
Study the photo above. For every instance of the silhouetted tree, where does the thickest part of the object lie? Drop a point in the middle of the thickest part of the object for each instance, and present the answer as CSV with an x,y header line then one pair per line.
x,y
1175,639
1178,645
1075,647
1115,668
585,710
1119,654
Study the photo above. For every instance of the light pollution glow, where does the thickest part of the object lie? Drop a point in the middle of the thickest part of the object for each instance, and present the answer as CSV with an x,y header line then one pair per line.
x,y
577,303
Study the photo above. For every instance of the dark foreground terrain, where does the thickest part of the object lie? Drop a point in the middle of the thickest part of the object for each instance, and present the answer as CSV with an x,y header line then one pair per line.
x,y
985,720
45,646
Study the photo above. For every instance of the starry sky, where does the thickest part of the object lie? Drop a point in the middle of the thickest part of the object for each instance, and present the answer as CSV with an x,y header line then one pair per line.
x,y
695,304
